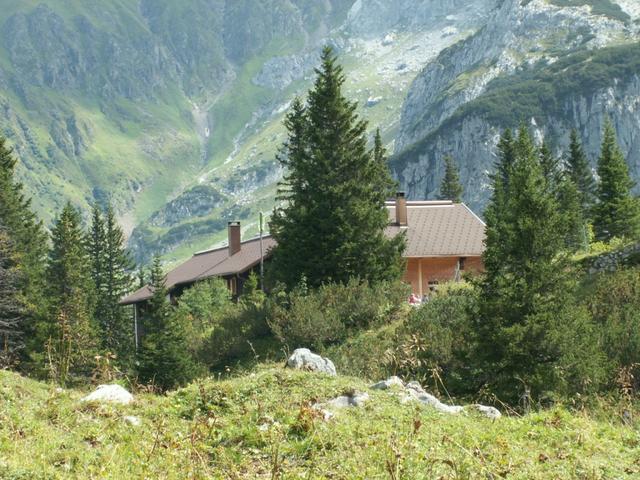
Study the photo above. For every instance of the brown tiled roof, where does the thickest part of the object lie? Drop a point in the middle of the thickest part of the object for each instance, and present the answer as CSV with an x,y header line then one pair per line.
x,y
439,228
435,229
211,263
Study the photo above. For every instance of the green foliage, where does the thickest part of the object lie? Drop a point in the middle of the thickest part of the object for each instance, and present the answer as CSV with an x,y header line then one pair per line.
x,y
580,173
232,340
331,225
529,332
571,208
111,269
201,309
451,188
327,315
614,303
607,8
27,242
540,91
70,334
435,342
164,359
11,308
617,213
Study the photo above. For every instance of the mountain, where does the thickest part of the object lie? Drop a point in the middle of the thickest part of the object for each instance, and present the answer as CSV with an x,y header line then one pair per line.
x,y
173,109
551,64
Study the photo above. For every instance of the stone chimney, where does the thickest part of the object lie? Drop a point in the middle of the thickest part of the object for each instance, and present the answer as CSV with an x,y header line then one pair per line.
x,y
401,209
234,237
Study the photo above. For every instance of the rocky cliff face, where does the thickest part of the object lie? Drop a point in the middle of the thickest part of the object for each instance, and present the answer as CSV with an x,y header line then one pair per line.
x,y
460,102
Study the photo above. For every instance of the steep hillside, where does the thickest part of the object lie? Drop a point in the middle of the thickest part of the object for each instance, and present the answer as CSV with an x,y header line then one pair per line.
x,y
173,109
382,45
140,102
262,426
111,99
551,68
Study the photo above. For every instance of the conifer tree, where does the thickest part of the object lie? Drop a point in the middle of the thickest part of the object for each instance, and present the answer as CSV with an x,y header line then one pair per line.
x,y
164,358
506,156
571,207
330,226
451,188
562,187
95,242
550,167
11,308
28,248
580,173
528,332
111,267
617,213
71,334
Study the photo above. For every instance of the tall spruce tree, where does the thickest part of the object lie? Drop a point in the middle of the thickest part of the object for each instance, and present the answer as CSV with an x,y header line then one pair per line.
x,y
550,167
11,308
562,187
580,173
28,249
330,226
95,241
111,269
451,188
71,334
164,358
617,213
528,332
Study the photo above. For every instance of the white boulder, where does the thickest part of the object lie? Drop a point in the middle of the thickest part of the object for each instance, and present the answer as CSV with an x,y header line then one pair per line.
x,y
110,394
304,359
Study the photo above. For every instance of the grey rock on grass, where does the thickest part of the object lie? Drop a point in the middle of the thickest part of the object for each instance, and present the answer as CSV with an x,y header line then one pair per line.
x,y
304,359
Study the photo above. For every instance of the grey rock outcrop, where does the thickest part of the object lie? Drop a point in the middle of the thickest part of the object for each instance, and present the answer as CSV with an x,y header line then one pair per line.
x,y
519,36
304,359
413,392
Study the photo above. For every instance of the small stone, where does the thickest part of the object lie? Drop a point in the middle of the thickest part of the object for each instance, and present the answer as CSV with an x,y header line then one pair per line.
x,y
343,401
388,383
489,412
132,420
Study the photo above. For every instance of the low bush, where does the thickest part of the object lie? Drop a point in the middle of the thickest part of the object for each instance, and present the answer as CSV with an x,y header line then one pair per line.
x,y
434,343
219,330
326,316
614,303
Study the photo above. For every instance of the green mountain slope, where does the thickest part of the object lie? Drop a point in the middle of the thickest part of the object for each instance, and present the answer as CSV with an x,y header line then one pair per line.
x,y
153,104
99,98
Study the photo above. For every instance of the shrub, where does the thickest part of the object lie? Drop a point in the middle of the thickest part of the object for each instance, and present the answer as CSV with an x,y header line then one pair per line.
x,y
326,316
201,309
231,340
435,340
614,304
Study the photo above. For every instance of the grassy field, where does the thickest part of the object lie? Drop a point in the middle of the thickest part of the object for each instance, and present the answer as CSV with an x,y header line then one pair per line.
x,y
260,426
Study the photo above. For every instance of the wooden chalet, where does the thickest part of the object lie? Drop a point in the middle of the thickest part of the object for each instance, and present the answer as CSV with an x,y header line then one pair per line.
x,y
444,239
